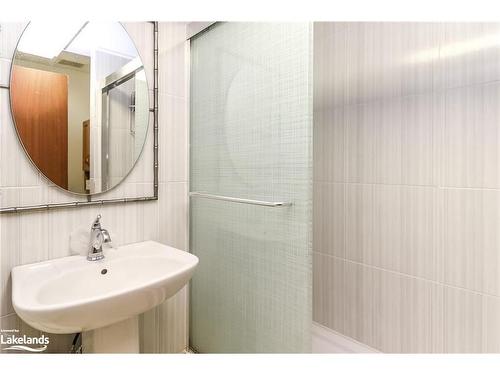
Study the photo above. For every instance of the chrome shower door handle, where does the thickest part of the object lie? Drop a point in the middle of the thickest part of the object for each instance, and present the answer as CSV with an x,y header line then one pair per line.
x,y
239,200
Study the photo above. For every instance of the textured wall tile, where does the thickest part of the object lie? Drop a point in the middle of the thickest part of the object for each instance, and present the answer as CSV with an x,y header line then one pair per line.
x,y
9,34
328,221
373,142
420,116
468,54
329,290
491,330
392,312
174,61
419,56
361,126
173,135
419,124
330,65
393,227
4,71
17,170
164,328
9,257
359,303
174,215
359,217
422,316
420,254
471,137
472,322
464,320
329,145
471,240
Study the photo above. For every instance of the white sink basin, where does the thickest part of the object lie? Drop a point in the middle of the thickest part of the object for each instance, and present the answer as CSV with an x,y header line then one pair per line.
x,y
72,294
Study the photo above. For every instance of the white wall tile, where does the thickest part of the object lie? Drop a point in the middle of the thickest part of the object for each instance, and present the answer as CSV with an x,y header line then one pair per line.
x,y
420,109
4,71
173,135
471,137
164,328
9,257
373,142
17,170
421,254
361,125
174,214
419,123
463,317
359,62
174,61
468,55
359,303
472,322
491,330
422,316
329,290
374,55
419,58
328,139
394,227
9,34
359,218
389,141
330,65
392,312
328,221
471,239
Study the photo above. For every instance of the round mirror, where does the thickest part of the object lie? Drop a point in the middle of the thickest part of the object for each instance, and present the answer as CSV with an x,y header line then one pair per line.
x,y
80,103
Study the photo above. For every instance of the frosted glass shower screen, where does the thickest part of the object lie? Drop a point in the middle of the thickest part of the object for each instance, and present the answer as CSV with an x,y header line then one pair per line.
x,y
251,137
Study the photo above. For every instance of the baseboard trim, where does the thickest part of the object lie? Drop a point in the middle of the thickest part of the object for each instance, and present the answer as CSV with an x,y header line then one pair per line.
x,y
326,340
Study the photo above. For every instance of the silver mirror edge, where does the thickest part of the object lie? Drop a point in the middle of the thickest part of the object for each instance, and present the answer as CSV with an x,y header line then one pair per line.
x,y
101,202
51,206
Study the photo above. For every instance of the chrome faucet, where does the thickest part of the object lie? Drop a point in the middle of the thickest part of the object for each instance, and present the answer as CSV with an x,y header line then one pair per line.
x,y
98,236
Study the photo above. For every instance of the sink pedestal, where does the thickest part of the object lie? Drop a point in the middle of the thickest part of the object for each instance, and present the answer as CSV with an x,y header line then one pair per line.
x,y
121,337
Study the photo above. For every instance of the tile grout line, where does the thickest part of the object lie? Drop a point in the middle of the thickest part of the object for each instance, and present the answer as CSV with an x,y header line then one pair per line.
x,y
409,276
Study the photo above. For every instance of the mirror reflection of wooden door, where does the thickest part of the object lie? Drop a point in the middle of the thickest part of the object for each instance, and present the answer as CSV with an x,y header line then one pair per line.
x,y
40,107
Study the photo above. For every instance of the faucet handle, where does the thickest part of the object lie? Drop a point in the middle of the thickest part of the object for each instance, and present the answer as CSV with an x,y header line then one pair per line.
x,y
97,222
105,235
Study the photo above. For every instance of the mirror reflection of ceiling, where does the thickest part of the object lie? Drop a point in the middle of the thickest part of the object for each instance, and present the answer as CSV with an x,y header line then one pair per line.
x,y
50,41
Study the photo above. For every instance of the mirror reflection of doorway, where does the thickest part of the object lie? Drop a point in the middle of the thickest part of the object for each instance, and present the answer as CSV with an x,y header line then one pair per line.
x,y
40,106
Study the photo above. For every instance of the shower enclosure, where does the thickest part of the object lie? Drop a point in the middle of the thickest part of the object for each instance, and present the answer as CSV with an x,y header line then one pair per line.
x,y
124,118
251,187
406,187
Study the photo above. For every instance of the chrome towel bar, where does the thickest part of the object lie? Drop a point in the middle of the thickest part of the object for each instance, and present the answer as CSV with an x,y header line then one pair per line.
x,y
239,200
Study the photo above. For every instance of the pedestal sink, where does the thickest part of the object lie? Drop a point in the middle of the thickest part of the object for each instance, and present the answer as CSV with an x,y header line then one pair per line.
x,y
103,298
